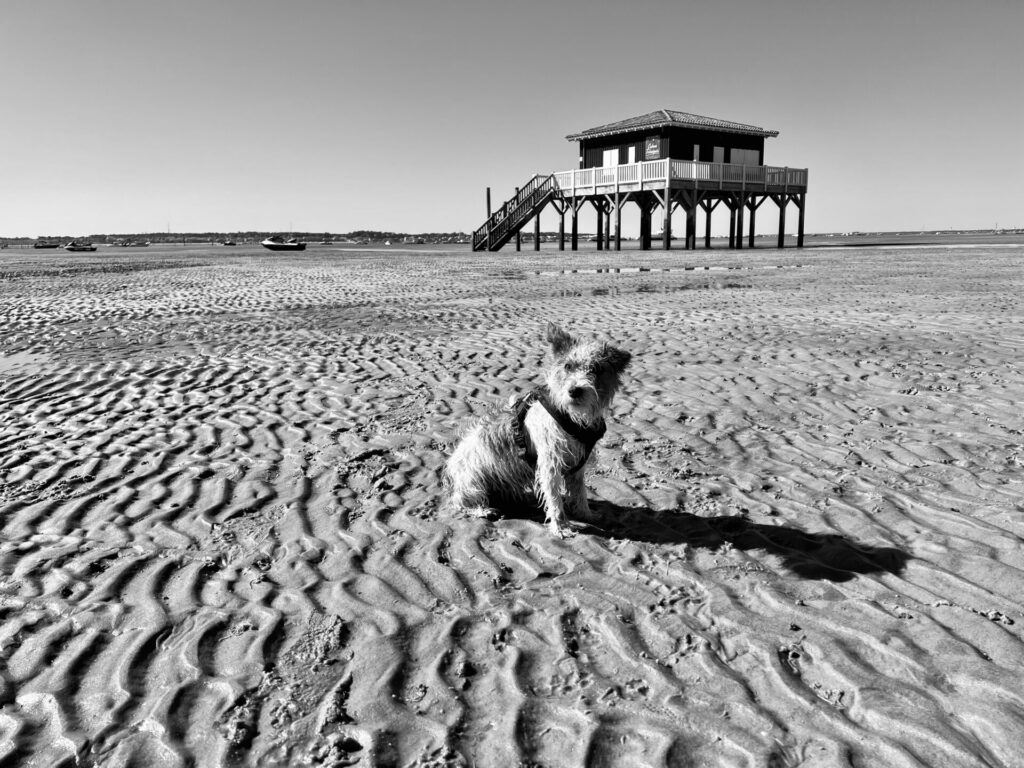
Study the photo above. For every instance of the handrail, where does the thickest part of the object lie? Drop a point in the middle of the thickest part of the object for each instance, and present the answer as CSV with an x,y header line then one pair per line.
x,y
652,172
515,211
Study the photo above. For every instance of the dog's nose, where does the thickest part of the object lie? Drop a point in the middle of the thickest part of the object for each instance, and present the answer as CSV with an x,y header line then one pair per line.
x,y
576,393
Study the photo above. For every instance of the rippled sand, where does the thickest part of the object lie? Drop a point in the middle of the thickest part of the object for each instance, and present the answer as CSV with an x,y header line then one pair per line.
x,y
221,541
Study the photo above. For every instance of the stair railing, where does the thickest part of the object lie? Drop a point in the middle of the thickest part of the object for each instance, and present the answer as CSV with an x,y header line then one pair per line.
x,y
507,219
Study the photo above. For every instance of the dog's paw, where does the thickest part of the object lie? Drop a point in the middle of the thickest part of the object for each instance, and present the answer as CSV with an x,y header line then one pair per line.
x,y
563,531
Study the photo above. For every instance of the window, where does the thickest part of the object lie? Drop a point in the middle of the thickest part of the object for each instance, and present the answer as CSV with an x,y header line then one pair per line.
x,y
610,157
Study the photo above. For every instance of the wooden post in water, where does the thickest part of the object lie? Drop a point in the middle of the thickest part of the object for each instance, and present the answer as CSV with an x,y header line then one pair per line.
x,y
488,218
519,231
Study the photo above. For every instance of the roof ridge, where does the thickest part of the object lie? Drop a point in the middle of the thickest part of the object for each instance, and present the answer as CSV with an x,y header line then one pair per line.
x,y
663,116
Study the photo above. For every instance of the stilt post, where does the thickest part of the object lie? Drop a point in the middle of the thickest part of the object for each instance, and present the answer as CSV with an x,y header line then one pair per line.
x,y
618,222
561,228
691,228
645,224
753,214
575,234
666,227
707,226
741,202
732,224
782,200
800,221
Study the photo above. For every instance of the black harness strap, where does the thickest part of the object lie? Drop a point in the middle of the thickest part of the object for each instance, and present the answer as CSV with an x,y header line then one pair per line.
x,y
588,436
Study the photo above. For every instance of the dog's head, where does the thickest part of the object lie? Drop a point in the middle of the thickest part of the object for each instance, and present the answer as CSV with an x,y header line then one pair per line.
x,y
585,374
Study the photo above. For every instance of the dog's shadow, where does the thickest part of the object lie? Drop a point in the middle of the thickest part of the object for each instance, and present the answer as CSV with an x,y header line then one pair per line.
x,y
825,556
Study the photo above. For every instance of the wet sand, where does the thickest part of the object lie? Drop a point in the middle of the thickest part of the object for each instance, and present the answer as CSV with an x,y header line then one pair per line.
x,y
222,543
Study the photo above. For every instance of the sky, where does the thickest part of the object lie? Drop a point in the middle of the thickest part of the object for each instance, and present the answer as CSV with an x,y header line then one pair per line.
x,y
132,116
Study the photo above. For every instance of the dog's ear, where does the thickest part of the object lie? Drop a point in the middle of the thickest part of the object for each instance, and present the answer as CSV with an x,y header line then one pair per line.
x,y
560,340
617,359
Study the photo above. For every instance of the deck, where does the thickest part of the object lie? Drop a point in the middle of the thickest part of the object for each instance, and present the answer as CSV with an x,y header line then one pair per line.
x,y
665,183
681,174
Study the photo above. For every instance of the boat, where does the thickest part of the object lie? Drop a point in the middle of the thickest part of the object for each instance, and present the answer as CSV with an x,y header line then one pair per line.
x,y
228,242
278,243
76,246
45,245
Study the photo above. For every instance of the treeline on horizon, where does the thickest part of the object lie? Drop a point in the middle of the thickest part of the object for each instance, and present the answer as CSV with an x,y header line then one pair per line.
x,y
177,237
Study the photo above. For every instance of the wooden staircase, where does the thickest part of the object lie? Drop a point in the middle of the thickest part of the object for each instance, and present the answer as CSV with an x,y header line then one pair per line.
x,y
510,218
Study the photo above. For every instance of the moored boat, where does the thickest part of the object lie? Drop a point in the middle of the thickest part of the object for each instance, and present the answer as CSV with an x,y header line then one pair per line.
x,y
278,243
76,246
39,244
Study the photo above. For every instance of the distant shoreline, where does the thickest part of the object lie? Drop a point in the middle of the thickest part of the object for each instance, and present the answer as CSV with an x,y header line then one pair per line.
x,y
432,241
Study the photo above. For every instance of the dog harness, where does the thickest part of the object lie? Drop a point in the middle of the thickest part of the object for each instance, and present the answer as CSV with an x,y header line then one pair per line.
x,y
586,435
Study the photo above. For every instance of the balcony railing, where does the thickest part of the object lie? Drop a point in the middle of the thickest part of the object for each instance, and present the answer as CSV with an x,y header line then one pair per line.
x,y
677,173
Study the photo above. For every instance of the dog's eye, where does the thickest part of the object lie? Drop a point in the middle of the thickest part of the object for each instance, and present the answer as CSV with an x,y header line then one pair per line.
x,y
571,366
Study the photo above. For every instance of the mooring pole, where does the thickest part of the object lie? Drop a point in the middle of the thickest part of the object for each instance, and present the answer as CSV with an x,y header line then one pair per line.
x,y
488,218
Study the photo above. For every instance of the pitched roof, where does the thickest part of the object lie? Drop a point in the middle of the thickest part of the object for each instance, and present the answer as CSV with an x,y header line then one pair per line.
x,y
672,117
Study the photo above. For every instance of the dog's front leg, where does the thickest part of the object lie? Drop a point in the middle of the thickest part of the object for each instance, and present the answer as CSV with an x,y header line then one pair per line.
x,y
549,487
576,493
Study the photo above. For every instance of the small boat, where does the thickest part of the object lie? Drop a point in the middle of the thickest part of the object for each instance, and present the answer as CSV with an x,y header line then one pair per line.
x,y
45,245
278,243
76,246
228,242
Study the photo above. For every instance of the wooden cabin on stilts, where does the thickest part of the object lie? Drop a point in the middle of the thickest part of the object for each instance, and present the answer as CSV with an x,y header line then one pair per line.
x,y
659,162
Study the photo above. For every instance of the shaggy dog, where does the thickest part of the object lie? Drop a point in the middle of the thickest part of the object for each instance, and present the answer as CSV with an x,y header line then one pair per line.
x,y
536,451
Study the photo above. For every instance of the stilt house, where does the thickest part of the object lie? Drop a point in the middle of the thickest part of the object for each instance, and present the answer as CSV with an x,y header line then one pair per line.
x,y
658,161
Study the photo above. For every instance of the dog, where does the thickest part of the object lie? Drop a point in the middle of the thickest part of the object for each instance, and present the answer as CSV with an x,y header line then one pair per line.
x,y
535,452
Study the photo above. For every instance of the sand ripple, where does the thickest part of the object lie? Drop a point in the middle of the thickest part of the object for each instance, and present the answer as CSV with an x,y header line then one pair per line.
x,y
221,541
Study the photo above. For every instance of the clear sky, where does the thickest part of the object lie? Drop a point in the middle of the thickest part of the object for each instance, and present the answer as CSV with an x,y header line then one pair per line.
x,y
337,115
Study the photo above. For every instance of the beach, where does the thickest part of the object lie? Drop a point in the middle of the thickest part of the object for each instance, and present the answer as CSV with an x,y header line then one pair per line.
x,y
223,539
